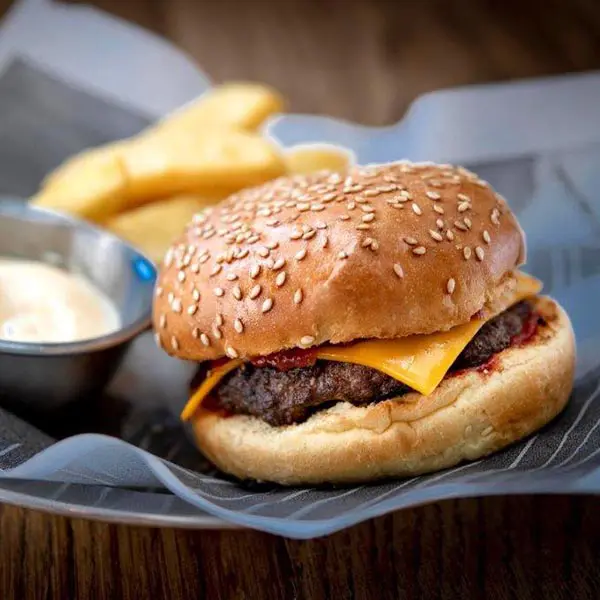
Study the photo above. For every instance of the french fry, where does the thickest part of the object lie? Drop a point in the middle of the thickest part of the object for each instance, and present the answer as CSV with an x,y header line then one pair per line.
x,y
152,228
309,158
91,185
231,106
163,163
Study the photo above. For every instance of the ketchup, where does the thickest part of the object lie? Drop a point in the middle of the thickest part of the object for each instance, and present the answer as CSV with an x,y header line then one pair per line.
x,y
288,359
529,329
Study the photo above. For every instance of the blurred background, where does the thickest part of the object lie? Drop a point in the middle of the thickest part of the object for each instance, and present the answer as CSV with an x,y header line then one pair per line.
x,y
366,60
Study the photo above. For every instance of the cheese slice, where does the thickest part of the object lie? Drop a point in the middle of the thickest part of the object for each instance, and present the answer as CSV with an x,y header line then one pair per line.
x,y
419,361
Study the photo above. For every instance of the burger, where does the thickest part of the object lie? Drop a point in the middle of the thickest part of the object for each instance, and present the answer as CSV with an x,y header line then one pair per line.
x,y
354,327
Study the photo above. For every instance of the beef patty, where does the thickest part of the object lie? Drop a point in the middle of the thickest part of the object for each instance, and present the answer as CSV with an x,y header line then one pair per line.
x,y
286,397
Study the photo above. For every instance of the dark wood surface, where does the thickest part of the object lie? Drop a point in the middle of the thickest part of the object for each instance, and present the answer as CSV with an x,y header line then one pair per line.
x,y
365,60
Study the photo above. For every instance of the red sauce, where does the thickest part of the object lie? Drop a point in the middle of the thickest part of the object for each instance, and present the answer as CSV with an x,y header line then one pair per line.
x,y
529,329
289,359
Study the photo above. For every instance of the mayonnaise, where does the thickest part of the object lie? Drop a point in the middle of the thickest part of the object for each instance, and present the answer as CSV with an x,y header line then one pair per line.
x,y
43,304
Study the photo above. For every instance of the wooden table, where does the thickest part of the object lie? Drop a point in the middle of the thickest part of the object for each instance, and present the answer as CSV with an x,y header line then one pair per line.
x,y
365,60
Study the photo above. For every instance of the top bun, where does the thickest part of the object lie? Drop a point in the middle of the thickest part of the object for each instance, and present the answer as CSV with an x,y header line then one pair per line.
x,y
384,252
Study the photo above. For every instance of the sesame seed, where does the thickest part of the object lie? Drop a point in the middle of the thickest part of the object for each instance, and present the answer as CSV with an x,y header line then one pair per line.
x,y
411,241
439,223
231,276
205,339
432,195
467,252
267,305
296,235
374,245
371,193
406,194
479,253
302,206
307,340
438,209
399,270
451,285
195,295
342,255
463,206
351,205
435,235
495,216
329,197
181,276
219,292
195,333
238,325
344,217
280,279
217,332
300,254
320,225
367,208
309,234
363,226
219,320
419,250
264,252
158,292
278,264
460,226
368,218
366,242
174,343
298,296
480,183
237,292
170,298
254,271
255,292
162,322
416,209
192,309
176,305
215,270
486,236
468,222
231,352
243,253
203,258
463,197
325,242
449,235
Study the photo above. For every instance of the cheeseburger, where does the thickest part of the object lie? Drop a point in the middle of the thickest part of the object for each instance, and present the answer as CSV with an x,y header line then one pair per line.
x,y
349,328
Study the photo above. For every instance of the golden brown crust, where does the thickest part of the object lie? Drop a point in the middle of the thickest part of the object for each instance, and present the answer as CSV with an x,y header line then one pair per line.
x,y
470,415
390,251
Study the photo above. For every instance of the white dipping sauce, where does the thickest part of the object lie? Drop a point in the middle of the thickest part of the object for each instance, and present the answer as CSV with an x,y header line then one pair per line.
x,y
40,303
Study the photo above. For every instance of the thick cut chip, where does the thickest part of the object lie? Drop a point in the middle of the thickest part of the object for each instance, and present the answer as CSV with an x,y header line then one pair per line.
x,y
168,162
234,105
309,158
91,185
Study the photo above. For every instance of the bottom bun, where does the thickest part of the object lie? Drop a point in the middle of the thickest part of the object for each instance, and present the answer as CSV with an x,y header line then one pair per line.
x,y
471,414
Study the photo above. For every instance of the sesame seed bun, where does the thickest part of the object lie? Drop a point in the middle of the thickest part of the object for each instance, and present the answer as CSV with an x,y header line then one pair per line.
x,y
385,252
469,415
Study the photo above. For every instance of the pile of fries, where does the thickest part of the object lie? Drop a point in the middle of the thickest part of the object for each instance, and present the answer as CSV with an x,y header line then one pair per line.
x,y
146,188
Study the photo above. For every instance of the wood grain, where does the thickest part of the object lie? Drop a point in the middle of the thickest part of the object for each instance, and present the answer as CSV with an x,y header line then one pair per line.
x,y
367,60
364,60
516,547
